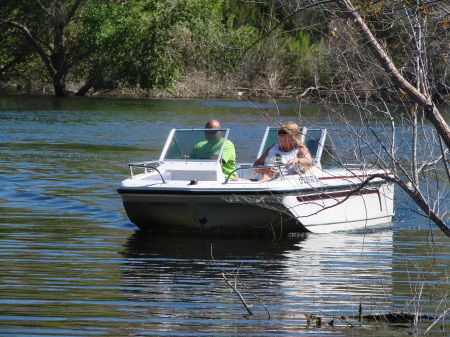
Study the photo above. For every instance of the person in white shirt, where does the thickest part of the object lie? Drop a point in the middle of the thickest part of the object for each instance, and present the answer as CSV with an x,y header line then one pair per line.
x,y
289,152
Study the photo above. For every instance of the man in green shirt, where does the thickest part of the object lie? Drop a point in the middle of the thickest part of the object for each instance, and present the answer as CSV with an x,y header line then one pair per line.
x,y
209,149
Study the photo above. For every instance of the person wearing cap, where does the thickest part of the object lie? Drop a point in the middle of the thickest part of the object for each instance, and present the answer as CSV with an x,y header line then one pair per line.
x,y
290,152
209,149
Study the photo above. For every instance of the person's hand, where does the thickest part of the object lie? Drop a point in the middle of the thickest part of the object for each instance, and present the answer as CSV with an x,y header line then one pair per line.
x,y
293,161
296,162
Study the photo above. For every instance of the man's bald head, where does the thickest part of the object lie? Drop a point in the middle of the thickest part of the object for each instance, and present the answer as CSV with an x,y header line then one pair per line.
x,y
212,124
213,136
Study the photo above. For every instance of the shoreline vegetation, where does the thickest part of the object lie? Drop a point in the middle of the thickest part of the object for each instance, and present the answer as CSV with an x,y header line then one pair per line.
x,y
204,87
198,87
226,49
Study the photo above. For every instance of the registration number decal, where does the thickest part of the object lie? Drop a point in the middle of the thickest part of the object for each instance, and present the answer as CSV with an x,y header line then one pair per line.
x,y
307,179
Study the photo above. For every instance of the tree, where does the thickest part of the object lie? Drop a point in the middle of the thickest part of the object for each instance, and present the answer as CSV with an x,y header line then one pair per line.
x,y
419,21
13,51
102,43
208,26
388,58
134,44
44,26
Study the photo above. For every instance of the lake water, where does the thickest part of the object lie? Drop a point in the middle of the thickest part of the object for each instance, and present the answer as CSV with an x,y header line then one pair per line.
x,y
71,263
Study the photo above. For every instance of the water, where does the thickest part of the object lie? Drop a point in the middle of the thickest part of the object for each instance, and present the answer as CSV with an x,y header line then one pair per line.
x,y
71,264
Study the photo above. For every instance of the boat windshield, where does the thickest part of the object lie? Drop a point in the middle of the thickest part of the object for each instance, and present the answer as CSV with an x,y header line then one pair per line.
x,y
195,144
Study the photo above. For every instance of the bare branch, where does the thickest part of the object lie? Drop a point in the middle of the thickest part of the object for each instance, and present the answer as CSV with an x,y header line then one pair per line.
x,y
73,10
250,312
425,102
44,56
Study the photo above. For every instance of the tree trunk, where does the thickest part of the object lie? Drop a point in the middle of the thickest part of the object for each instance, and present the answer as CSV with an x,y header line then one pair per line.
x,y
59,86
85,88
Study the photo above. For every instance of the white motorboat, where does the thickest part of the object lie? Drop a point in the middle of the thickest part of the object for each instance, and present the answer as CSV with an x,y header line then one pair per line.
x,y
176,193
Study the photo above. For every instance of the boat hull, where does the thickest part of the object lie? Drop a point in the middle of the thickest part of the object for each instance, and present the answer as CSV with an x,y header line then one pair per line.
x,y
319,210
343,209
211,214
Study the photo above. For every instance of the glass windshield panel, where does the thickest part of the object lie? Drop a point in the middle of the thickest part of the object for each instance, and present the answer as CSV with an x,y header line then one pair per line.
x,y
312,141
330,158
201,144
270,139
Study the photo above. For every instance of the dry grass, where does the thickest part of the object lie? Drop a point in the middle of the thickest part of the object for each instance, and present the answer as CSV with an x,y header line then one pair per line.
x,y
203,85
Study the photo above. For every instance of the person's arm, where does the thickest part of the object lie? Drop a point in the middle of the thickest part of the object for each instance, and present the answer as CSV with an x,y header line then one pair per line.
x,y
229,159
303,160
260,162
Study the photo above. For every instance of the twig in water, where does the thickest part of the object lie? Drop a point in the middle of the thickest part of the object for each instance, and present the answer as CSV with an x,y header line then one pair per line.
x,y
436,320
256,296
250,312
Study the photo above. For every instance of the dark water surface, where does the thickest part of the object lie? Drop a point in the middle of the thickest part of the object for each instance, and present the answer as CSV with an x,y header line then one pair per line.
x,y
71,264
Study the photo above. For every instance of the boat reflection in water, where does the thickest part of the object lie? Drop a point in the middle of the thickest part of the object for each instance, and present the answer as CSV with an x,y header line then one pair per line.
x,y
177,283
340,271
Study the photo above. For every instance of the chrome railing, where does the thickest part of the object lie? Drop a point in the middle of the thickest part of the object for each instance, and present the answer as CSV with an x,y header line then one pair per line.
x,y
148,167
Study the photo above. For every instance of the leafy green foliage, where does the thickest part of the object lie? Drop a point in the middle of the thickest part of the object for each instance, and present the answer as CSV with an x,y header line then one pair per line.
x,y
209,41
150,43
303,58
129,45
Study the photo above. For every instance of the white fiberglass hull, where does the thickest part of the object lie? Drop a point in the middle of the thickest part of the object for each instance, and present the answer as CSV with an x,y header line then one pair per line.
x,y
296,204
